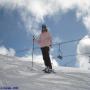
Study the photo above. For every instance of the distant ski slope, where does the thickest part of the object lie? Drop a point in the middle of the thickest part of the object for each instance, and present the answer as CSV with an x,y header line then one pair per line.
x,y
17,73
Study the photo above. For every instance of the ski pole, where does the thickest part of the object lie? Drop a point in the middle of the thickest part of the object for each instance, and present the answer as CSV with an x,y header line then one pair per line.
x,y
32,51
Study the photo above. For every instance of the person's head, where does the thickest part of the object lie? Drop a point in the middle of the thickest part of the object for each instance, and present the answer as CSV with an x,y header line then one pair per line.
x,y
44,28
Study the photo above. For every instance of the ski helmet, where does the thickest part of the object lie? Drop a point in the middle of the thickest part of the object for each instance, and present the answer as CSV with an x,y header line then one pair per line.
x,y
44,26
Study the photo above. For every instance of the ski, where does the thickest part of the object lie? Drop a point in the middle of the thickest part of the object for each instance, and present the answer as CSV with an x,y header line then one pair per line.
x,y
51,71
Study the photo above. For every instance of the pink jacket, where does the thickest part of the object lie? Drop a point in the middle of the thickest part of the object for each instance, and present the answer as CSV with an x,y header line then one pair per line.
x,y
45,39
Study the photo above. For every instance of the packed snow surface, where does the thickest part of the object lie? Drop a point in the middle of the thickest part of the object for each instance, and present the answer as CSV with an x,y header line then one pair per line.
x,y
16,74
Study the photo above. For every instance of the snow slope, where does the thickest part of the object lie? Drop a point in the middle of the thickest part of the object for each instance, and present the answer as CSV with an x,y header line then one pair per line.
x,y
17,74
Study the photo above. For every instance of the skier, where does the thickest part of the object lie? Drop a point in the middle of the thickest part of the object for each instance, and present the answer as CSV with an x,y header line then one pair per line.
x,y
45,41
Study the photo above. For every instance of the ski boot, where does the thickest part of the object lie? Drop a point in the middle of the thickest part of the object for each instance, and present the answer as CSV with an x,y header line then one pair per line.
x,y
48,70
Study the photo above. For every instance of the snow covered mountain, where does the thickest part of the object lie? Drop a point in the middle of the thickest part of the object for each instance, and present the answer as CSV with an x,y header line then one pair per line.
x,y
16,74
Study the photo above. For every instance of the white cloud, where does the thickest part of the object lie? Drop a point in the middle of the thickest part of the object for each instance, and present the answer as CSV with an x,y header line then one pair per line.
x,y
5,51
57,39
84,49
11,4
86,21
34,11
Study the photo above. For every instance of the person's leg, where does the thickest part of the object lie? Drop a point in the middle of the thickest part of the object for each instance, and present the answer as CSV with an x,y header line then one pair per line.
x,y
44,56
47,58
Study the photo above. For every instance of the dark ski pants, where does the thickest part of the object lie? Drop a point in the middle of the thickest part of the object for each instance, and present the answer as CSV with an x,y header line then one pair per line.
x,y
46,57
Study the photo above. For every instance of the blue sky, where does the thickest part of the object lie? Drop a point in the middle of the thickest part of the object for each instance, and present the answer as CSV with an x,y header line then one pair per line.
x,y
14,35
63,26
12,31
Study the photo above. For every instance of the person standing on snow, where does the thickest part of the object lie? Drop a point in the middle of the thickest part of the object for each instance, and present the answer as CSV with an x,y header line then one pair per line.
x,y
45,41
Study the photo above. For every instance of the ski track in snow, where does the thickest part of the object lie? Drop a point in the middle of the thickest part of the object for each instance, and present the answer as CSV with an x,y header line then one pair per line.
x,y
14,72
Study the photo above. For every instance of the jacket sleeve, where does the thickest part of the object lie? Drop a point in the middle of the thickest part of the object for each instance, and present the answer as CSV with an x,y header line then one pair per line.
x,y
50,38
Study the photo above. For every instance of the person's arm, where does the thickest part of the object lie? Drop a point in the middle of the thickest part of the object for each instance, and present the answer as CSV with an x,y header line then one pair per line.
x,y
50,39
